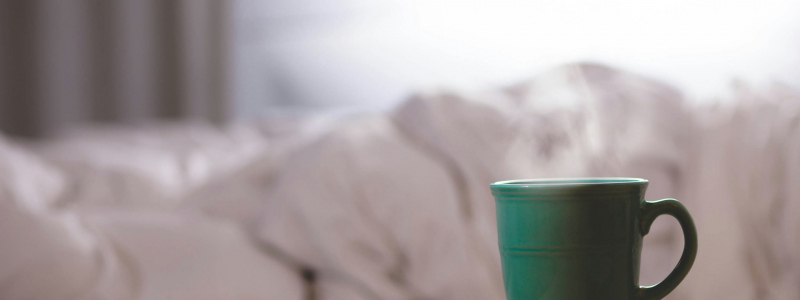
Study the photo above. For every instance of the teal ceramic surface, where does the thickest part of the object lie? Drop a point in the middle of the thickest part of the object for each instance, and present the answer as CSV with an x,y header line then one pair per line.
x,y
582,238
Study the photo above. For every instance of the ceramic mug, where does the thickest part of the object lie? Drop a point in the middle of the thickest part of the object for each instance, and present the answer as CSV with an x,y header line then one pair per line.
x,y
582,238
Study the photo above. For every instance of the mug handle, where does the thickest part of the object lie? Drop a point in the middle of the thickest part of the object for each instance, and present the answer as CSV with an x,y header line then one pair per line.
x,y
648,212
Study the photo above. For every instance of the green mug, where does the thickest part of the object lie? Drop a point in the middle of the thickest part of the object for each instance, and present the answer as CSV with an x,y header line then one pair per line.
x,y
582,238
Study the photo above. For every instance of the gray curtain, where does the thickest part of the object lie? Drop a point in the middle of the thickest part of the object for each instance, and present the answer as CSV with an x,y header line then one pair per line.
x,y
67,62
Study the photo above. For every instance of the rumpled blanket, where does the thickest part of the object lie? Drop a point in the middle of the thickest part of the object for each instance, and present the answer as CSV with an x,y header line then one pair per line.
x,y
396,205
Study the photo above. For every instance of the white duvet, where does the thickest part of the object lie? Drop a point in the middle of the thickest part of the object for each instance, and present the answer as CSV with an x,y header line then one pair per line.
x,y
396,205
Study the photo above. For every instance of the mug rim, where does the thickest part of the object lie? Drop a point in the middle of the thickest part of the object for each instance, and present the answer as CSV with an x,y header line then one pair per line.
x,y
561,182
556,188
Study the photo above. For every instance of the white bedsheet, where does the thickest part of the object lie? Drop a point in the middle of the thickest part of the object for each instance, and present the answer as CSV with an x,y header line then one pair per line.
x,y
396,205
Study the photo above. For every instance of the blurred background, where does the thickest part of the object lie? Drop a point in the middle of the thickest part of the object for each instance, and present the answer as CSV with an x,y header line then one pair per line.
x,y
69,62
342,149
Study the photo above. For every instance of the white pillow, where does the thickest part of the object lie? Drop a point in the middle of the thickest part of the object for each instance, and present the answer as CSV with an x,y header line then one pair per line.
x,y
147,167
